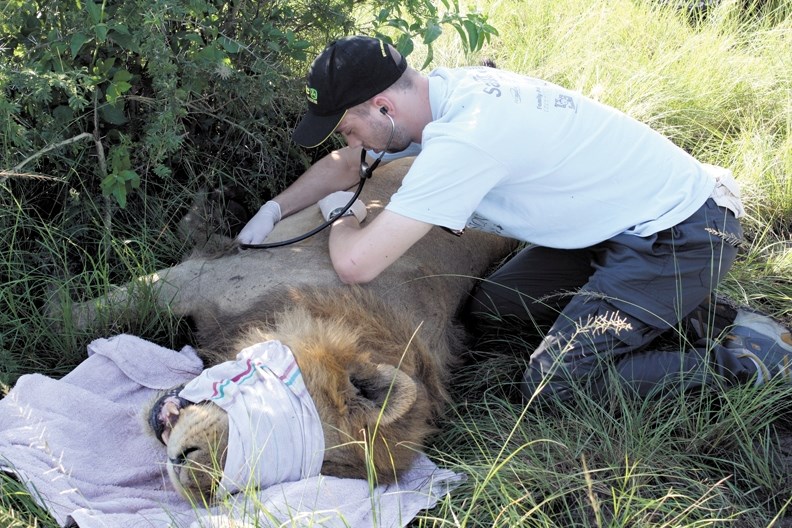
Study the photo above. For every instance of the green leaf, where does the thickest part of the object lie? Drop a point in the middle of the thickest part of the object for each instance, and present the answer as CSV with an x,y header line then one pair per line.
x,y
118,158
102,67
101,32
399,23
192,37
108,183
461,32
211,54
120,183
130,178
383,15
63,114
430,9
120,27
429,57
60,47
77,41
405,45
94,11
231,46
431,33
112,115
116,90
472,33
122,76
120,194
124,40
163,171
122,86
113,186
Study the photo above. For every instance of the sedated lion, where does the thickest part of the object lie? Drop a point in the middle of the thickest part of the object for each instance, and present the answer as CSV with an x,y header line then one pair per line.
x,y
375,359
376,384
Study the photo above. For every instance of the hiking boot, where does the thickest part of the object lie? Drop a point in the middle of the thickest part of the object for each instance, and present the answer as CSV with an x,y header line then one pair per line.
x,y
764,341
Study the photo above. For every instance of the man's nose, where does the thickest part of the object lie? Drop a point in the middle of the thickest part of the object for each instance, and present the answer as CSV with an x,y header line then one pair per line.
x,y
352,141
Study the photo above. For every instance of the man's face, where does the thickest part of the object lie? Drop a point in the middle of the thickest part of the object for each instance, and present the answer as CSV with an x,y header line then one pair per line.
x,y
371,131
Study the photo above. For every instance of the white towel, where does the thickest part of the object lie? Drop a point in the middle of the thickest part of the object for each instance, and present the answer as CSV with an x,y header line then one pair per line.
x,y
78,444
275,434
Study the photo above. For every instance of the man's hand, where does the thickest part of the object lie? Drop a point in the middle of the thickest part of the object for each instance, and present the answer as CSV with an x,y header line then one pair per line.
x,y
332,204
260,226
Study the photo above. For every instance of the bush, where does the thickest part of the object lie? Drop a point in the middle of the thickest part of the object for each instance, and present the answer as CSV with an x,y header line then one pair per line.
x,y
117,114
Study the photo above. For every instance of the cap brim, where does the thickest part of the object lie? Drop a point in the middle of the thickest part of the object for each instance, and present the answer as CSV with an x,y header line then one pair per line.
x,y
313,130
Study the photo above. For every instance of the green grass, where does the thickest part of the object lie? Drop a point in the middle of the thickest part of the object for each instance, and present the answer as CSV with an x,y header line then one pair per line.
x,y
686,461
719,86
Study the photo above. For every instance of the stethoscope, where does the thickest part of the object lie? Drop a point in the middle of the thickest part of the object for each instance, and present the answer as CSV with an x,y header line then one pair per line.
x,y
366,171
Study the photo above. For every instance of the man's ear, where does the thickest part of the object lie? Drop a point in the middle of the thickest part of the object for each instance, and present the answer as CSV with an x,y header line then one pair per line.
x,y
382,101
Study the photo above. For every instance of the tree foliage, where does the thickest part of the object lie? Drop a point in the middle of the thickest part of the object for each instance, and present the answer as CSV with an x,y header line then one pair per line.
x,y
166,86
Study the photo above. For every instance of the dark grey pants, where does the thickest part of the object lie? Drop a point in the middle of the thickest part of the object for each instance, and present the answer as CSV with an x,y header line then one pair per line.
x,y
605,304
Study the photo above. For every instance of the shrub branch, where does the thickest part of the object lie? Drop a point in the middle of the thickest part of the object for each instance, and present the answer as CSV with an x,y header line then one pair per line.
x,y
78,137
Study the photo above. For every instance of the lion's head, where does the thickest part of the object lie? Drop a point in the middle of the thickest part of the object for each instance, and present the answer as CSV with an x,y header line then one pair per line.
x,y
374,415
196,449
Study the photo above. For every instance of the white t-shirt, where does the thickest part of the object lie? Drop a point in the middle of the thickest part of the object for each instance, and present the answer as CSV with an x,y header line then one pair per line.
x,y
528,159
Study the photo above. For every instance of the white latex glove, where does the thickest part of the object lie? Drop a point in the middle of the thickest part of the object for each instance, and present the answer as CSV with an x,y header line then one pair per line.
x,y
727,190
262,223
332,204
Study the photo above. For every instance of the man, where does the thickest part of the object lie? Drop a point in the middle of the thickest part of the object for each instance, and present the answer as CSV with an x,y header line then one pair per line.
x,y
636,229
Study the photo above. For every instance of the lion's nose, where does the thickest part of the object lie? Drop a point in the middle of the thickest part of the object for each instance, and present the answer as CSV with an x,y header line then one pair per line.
x,y
182,458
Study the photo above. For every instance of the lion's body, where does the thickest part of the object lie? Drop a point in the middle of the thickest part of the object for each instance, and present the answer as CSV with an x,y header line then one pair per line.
x,y
376,359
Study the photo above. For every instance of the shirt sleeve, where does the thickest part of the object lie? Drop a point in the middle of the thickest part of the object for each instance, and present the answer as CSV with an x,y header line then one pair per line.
x,y
439,191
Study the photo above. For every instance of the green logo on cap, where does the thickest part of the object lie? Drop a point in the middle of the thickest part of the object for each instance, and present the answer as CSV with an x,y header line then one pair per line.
x,y
313,95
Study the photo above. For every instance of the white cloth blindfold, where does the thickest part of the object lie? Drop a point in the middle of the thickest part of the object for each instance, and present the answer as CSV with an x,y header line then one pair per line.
x,y
275,434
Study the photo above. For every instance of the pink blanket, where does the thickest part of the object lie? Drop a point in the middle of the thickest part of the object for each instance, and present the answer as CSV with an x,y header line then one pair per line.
x,y
79,445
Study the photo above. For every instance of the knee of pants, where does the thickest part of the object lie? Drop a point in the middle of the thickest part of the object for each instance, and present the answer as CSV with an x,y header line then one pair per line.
x,y
553,369
573,356
545,390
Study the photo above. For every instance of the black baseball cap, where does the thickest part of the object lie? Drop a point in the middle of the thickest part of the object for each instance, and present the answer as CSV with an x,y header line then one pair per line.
x,y
348,72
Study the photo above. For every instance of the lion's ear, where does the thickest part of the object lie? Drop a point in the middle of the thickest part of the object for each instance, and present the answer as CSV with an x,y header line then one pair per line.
x,y
387,391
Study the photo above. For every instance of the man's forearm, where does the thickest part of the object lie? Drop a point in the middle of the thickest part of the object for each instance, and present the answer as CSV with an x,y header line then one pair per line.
x,y
360,254
336,171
